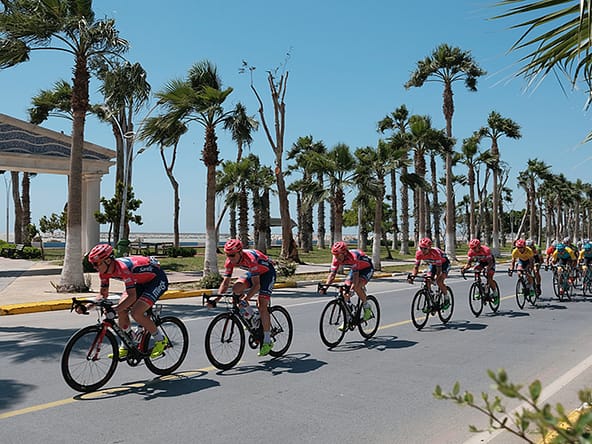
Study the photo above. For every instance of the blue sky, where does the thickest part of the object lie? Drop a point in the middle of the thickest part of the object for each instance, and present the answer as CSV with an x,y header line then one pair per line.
x,y
348,63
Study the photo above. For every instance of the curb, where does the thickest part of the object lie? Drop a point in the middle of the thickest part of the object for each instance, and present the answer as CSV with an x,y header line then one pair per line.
x,y
65,304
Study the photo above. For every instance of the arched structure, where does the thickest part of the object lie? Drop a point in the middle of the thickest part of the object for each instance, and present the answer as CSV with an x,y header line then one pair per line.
x,y
33,149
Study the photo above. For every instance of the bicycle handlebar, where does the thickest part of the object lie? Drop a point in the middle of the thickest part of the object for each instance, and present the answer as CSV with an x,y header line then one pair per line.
x,y
340,286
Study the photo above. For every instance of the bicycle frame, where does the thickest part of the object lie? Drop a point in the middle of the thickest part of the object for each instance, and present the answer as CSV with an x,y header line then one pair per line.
x,y
344,294
107,316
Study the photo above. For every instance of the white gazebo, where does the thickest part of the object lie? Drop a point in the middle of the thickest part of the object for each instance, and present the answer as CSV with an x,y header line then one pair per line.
x,y
33,149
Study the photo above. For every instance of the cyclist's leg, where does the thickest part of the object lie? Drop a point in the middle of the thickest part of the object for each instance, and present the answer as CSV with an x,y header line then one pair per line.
x,y
442,275
266,283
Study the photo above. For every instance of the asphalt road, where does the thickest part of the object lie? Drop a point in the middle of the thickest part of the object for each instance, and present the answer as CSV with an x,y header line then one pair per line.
x,y
377,391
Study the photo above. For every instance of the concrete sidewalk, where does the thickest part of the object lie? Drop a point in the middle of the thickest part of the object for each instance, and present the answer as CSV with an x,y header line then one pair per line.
x,y
28,286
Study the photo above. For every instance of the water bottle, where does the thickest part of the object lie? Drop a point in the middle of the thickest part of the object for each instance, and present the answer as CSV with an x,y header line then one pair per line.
x,y
137,334
245,309
256,319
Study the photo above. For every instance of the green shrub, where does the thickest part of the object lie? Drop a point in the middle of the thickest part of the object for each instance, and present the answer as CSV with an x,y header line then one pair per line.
x,y
285,267
212,280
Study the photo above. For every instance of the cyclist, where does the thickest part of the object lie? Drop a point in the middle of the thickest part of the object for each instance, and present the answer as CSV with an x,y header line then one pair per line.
x,y
549,252
260,279
525,258
145,282
585,257
563,256
438,262
537,262
481,254
361,271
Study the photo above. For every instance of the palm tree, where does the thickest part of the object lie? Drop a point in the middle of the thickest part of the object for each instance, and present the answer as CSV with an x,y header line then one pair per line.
x,y
126,92
379,163
398,121
339,165
422,137
556,38
158,130
448,65
199,98
65,26
529,179
497,126
469,149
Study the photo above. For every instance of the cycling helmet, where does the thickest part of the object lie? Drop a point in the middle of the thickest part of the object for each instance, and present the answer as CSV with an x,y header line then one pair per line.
x,y
474,244
566,240
587,246
520,243
529,242
560,247
339,247
233,246
426,242
99,253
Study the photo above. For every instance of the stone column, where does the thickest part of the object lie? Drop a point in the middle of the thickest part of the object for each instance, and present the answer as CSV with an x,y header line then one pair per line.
x,y
91,199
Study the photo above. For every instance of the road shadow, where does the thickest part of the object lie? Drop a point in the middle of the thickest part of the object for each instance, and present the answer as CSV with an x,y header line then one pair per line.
x,y
460,325
23,344
379,343
11,392
169,386
290,363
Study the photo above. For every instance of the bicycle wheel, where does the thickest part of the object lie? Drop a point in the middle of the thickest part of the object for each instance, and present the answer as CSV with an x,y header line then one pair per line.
x,y
420,309
520,293
225,341
85,364
175,351
447,306
281,330
332,317
494,298
476,299
556,285
369,328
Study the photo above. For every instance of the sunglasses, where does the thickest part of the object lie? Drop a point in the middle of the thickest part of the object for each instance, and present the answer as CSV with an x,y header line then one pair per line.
x,y
231,255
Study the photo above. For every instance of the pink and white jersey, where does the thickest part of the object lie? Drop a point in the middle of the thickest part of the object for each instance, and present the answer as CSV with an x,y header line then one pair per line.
x,y
355,258
253,261
434,256
483,254
132,270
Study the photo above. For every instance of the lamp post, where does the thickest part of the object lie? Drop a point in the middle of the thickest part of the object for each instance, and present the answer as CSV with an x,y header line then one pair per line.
x,y
7,184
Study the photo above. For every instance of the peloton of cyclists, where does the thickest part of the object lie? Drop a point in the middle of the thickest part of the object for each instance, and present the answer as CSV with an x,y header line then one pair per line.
x,y
438,262
484,259
524,257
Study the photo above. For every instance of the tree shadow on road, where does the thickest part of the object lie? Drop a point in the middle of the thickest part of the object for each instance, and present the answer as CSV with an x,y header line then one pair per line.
x,y
11,392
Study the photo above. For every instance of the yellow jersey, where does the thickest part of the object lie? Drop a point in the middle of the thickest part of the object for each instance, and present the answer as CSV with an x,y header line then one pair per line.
x,y
525,255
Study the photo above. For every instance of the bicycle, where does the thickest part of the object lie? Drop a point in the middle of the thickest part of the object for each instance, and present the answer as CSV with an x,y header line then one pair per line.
x,y
523,289
480,293
341,315
562,287
91,355
587,280
426,302
225,335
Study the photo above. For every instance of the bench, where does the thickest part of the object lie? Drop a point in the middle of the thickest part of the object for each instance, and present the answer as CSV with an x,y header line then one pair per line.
x,y
13,252
149,248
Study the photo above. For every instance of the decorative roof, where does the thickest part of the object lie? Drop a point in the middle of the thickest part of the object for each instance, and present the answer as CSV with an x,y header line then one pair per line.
x,y
20,137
